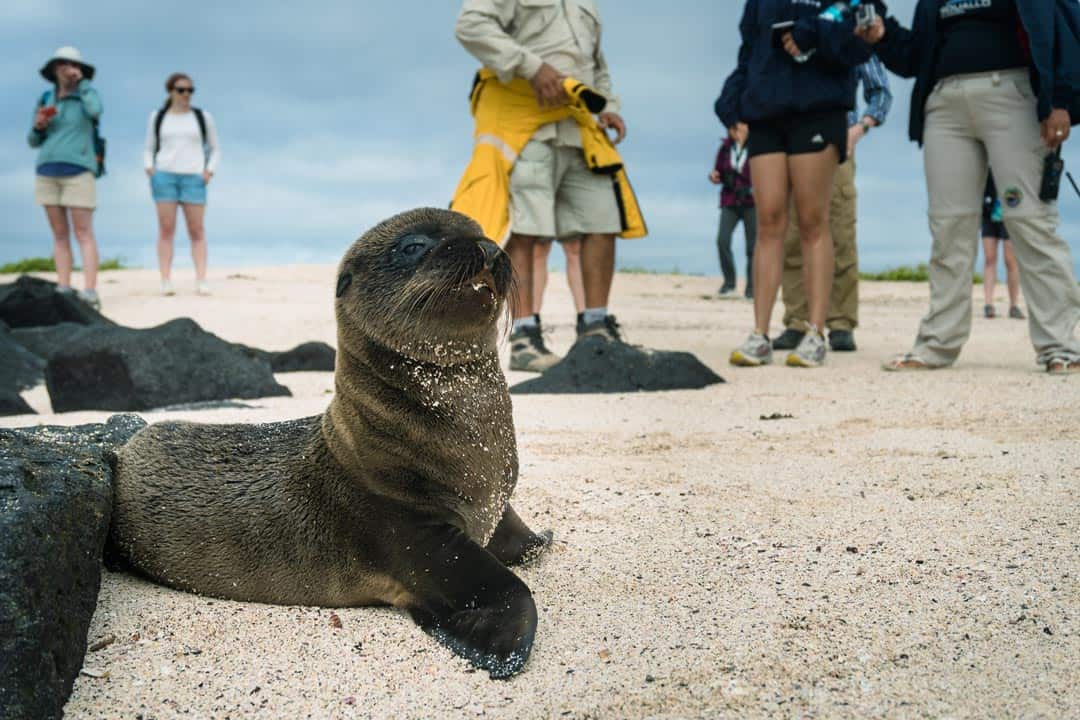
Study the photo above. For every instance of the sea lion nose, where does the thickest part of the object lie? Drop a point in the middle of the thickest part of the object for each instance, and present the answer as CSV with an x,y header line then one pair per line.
x,y
491,251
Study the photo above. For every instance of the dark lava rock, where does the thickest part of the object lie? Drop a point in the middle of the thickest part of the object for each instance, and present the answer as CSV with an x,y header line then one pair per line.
x,y
595,365
20,368
118,368
11,403
31,302
309,356
45,340
55,506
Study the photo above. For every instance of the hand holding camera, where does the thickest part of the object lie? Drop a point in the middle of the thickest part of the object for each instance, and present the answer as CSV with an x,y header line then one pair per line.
x,y
44,116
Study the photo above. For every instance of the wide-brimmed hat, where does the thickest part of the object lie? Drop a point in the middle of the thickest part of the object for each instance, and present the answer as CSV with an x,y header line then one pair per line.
x,y
69,54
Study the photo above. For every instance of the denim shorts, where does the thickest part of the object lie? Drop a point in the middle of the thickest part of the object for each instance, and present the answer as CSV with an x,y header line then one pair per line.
x,y
178,188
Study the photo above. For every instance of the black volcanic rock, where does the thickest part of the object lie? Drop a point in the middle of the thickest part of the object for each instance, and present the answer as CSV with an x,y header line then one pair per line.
x,y
55,507
596,365
309,356
33,302
118,368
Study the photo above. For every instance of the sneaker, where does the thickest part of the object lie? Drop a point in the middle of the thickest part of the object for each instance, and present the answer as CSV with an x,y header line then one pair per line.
x,y
65,290
788,340
167,288
989,311
1016,313
202,288
726,290
528,351
749,292
754,352
608,328
810,353
90,297
842,341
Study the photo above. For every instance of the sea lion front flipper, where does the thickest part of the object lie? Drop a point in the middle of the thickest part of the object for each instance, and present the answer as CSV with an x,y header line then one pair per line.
x,y
468,601
514,543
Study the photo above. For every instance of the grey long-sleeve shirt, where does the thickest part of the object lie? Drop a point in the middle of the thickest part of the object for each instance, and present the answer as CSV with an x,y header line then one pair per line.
x,y
514,37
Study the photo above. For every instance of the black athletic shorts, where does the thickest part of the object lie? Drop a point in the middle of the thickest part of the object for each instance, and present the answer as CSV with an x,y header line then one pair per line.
x,y
800,134
991,228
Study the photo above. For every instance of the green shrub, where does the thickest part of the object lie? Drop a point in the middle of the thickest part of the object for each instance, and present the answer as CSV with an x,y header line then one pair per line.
x,y
46,264
906,273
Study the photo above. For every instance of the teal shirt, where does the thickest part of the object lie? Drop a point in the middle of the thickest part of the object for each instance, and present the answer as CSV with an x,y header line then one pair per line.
x,y
69,138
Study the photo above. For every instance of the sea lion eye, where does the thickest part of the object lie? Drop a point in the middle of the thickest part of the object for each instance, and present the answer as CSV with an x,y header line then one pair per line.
x,y
413,248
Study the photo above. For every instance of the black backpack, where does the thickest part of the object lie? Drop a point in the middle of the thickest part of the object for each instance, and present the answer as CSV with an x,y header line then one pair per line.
x,y
160,117
99,142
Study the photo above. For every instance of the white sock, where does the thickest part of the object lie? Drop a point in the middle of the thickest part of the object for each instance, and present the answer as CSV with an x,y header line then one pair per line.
x,y
592,315
526,322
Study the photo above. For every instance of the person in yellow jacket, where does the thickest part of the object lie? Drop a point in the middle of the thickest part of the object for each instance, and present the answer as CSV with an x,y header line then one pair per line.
x,y
553,194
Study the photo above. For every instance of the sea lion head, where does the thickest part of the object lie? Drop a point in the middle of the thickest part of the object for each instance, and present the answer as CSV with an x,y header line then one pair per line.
x,y
426,284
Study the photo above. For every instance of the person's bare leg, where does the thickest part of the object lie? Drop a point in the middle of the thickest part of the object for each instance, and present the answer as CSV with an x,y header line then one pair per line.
x,y
812,177
1012,274
82,222
771,183
989,268
166,216
597,268
193,218
520,250
572,251
541,253
61,230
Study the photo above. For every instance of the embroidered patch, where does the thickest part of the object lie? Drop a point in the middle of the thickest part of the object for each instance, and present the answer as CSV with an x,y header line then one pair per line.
x,y
1013,197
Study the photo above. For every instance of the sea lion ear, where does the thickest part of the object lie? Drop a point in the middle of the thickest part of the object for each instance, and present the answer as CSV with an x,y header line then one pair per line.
x,y
343,282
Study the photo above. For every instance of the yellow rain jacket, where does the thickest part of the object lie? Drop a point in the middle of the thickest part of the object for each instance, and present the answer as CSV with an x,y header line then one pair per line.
x,y
506,116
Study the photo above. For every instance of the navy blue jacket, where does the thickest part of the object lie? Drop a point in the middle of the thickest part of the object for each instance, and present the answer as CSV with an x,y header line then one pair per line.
x,y
768,83
1053,32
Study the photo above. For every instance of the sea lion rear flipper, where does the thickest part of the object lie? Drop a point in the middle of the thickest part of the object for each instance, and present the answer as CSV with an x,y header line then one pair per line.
x,y
514,543
468,601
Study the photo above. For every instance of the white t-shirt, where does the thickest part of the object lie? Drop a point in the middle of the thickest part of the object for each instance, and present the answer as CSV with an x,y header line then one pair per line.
x,y
181,144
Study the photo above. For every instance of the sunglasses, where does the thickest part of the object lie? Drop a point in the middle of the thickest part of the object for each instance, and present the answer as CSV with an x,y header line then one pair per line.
x,y
184,90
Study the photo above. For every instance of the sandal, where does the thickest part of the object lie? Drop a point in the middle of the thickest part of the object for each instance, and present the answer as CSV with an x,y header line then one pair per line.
x,y
907,361
1062,366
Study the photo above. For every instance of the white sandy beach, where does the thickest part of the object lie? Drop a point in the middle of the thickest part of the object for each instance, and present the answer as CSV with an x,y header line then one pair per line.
x,y
903,546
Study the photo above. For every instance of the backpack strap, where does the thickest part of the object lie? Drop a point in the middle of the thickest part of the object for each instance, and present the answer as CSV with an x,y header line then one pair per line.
x,y
44,98
202,123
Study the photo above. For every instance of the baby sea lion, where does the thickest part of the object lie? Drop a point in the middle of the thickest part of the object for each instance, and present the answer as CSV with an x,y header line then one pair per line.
x,y
397,495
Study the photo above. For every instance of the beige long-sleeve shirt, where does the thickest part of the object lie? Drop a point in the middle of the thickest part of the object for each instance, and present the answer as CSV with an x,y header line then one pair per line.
x,y
514,37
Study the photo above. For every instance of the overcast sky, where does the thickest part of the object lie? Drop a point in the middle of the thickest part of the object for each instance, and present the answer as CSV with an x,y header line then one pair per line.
x,y
336,114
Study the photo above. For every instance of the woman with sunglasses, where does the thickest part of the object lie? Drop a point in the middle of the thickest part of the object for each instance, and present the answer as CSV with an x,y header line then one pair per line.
x,y
63,134
794,86
181,156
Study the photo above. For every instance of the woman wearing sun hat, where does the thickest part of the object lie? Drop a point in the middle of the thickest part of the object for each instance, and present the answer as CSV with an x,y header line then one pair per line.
x,y
181,156
67,163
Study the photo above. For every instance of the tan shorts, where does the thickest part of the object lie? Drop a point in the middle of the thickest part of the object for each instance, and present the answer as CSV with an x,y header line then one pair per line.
x,y
554,194
77,191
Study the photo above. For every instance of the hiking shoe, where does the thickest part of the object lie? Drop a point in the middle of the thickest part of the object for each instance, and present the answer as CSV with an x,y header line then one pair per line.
x,y
989,311
202,288
1016,313
167,288
810,353
842,341
788,340
754,352
726,290
749,293
90,297
608,328
1063,366
528,352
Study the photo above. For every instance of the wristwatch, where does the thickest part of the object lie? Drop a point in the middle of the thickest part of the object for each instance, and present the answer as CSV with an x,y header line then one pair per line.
x,y
866,127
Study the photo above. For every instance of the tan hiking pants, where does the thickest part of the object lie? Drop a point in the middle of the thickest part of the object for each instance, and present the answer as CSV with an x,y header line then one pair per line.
x,y
844,302
973,121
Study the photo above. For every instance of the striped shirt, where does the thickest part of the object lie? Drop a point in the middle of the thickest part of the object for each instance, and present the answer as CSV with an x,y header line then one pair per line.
x,y
875,92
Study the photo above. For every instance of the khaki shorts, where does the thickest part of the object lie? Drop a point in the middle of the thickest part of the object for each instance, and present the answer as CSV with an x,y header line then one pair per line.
x,y
77,191
554,194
